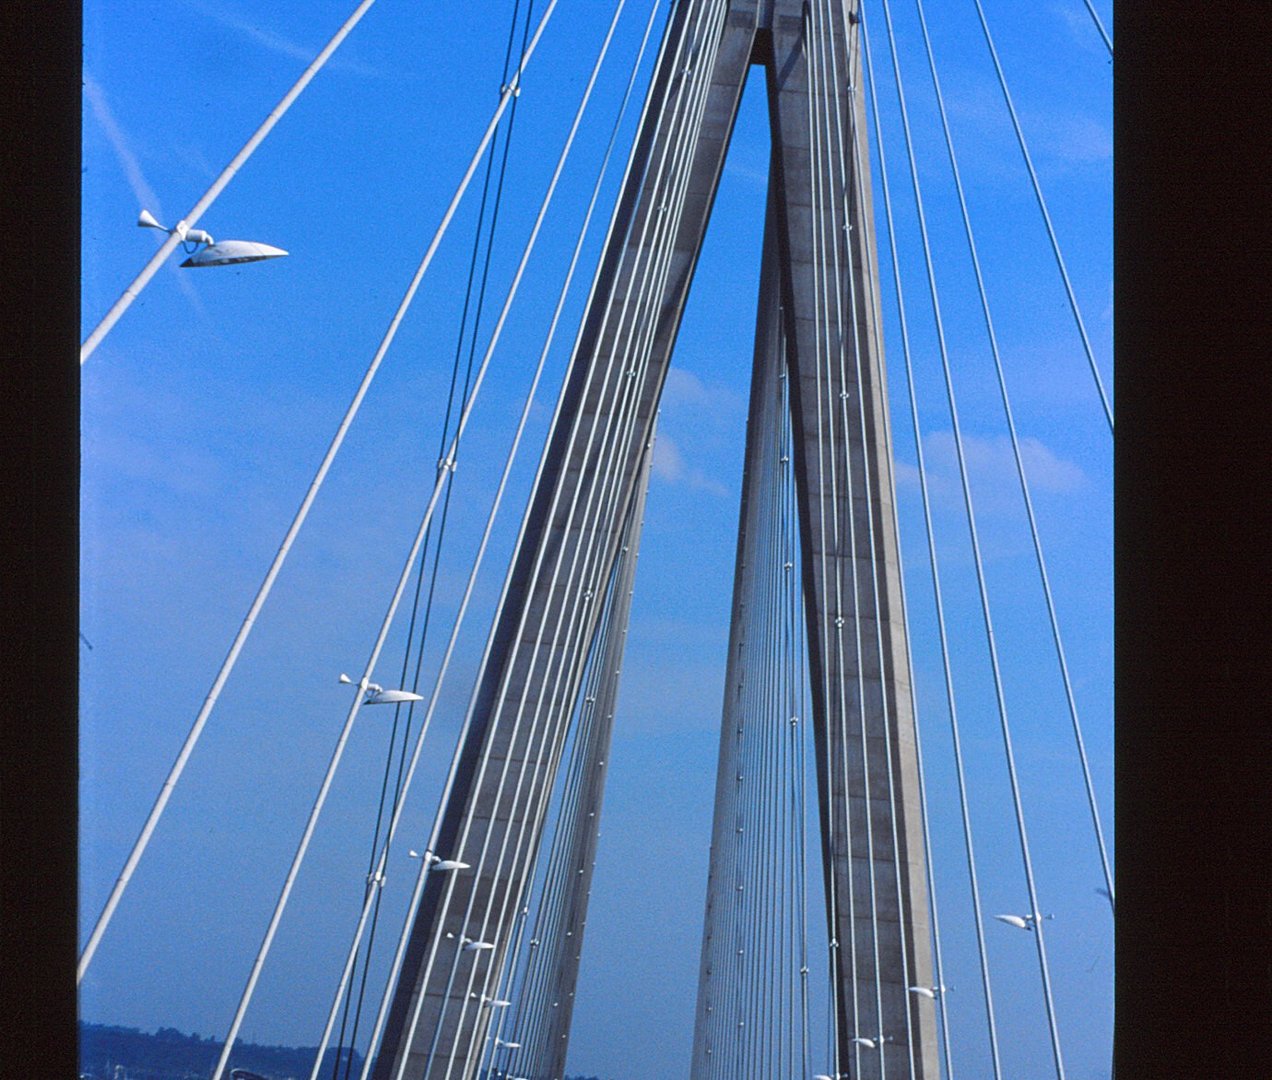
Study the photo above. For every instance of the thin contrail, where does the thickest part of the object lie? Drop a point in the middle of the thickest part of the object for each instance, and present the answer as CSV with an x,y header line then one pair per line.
x,y
146,197
268,39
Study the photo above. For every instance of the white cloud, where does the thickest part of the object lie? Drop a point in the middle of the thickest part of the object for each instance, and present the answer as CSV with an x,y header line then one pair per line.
x,y
669,465
1047,471
1080,26
991,468
985,139
746,172
684,388
1075,140
699,414
905,474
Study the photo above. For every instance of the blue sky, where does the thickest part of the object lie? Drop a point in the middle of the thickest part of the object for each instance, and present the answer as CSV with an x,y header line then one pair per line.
x,y
207,409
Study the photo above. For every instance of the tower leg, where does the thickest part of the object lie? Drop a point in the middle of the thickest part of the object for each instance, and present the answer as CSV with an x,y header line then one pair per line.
x,y
860,680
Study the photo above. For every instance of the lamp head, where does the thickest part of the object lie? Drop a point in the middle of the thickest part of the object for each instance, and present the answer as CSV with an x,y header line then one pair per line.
x,y
232,252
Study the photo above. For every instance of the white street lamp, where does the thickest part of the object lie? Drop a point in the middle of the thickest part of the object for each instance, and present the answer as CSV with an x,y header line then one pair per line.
x,y
436,862
377,695
227,174
226,253
1022,922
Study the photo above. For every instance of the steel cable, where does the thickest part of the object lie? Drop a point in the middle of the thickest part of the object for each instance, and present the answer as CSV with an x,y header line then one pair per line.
x,y
1046,217
1020,466
980,576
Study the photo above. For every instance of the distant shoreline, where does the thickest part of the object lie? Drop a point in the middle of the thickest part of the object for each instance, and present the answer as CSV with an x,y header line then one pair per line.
x,y
169,1054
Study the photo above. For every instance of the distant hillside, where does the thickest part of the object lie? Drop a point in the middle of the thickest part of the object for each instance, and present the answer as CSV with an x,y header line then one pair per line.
x,y
170,1055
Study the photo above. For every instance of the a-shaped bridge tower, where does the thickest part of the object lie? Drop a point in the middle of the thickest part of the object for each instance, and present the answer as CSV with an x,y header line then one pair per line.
x,y
564,608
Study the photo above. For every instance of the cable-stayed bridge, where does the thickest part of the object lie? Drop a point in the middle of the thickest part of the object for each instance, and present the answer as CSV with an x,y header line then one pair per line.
x,y
895,704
